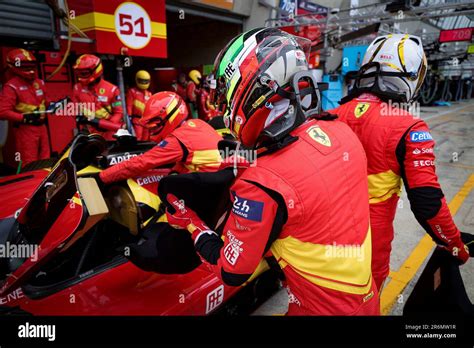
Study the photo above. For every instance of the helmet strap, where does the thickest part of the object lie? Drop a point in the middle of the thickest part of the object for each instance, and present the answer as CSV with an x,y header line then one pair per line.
x,y
375,88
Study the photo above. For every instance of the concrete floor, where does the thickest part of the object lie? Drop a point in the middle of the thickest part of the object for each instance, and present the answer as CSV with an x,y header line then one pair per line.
x,y
452,128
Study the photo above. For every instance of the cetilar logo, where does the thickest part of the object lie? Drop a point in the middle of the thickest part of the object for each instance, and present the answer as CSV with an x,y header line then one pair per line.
x,y
37,331
418,137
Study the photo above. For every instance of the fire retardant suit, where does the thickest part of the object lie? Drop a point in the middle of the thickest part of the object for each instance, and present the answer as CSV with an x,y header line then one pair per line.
x,y
20,97
294,204
103,101
136,101
399,147
192,146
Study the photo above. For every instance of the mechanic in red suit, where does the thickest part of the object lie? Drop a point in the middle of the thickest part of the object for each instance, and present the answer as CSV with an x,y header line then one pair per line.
x,y
399,146
206,110
301,201
136,101
190,144
22,96
102,98
179,86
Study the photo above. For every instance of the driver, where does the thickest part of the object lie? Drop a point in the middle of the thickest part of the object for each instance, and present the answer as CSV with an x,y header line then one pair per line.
x,y
301,200
190,144
399,146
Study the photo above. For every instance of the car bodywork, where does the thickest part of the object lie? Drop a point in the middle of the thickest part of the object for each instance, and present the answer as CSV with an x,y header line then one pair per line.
x,y
79,266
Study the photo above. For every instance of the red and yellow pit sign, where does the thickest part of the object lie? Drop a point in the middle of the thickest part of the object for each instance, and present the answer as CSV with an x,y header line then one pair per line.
x,y
139,25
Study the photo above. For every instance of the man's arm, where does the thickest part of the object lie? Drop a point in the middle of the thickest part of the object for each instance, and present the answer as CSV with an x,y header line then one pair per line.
x,y
117,108
8,100
254,222
166,152
129,101
415,155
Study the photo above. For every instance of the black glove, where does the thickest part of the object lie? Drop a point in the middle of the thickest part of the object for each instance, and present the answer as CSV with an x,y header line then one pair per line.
x,y
33,119
81,119
468,240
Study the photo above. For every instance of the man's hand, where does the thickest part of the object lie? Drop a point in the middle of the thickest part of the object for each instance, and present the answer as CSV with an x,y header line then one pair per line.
x,y
33,118
184,218
468,240
460,251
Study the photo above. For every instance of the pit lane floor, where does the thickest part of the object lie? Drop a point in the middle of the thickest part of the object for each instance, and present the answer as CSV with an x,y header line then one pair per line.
x,y
453,130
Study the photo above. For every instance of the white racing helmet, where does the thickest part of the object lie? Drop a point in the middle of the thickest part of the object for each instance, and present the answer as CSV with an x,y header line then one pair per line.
x,y
393,67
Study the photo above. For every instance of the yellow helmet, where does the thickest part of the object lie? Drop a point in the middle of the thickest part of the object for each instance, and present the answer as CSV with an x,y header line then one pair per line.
x,y
142,79
195,76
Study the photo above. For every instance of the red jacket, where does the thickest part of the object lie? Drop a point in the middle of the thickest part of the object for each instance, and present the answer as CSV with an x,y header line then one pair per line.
x,y
191,92
204,112
305,204
20,96
192,147
105,98
136,101
399,147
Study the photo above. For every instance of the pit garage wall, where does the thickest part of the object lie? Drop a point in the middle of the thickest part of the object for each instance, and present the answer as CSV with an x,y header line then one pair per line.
x,y
206,29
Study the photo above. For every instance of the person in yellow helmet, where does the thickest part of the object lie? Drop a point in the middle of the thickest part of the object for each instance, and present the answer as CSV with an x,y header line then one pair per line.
x,y
193,90
137,98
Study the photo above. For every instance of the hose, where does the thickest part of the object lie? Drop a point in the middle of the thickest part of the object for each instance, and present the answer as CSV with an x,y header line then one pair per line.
x,y
65,18
446,93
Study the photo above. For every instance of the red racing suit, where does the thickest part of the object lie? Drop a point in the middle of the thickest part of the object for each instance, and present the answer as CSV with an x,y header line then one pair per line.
x,y
399,147
303,203
192,146
204,111
136,101
191,92
20,97
102,100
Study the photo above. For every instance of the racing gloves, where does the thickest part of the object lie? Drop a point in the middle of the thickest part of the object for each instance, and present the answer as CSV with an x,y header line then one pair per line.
x,y
34,119
460,251
184,218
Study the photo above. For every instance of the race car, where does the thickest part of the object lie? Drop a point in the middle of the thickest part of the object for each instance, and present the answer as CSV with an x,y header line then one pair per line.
x,y
108,250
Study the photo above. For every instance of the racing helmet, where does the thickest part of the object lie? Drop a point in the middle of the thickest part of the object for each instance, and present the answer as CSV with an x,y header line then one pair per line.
x,y
394,67
258,80
142,79
195,76
88,69
164,112
22,63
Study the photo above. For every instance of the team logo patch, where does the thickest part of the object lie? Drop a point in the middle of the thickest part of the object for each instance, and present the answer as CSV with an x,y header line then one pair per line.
x,y
102,98
419,137
360,109
191,124
318,135
36,85
247,208
214,299
233,249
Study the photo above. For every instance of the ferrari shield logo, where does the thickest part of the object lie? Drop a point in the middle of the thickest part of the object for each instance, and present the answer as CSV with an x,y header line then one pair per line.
x,y
318,135
360,109
102,90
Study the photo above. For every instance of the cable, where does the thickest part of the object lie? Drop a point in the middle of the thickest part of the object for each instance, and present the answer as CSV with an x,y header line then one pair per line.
x,y
69,40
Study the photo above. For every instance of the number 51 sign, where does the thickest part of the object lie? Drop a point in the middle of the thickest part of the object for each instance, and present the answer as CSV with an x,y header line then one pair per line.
x,y
132,25
139,25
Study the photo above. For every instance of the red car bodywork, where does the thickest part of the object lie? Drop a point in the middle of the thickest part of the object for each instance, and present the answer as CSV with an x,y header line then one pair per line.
x,y
120,288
